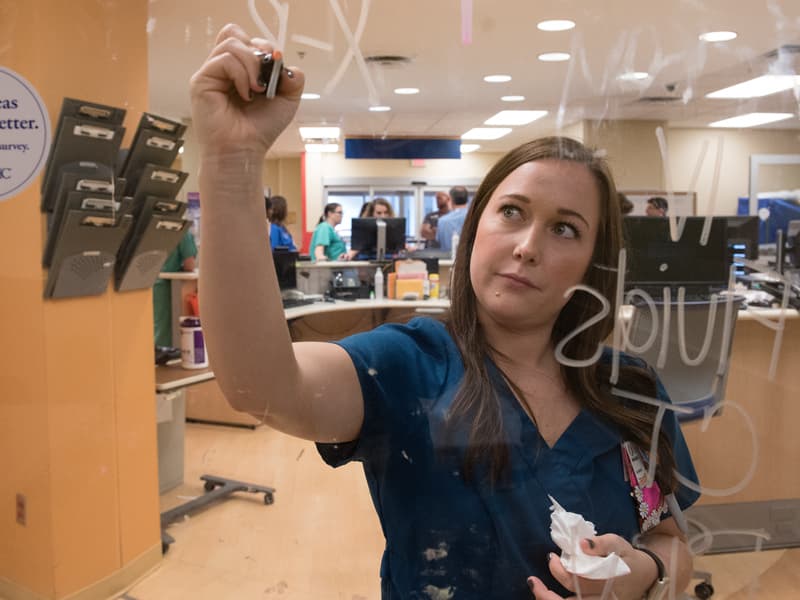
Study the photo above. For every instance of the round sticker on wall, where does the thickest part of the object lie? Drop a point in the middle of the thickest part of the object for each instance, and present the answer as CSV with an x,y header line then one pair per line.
x,y
24,133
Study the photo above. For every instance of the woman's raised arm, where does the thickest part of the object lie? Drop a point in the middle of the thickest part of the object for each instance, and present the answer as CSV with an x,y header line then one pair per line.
x,y
309,390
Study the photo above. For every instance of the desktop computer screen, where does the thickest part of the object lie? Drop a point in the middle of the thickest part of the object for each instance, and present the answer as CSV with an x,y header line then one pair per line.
x,y
365,237
743,235
653,259
285,268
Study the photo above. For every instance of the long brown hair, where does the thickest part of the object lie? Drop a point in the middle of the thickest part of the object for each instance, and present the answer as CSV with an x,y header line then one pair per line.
x,y
476,399
279,210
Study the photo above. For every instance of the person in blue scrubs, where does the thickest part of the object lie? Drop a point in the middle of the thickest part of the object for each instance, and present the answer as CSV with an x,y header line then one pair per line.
x,y
279,236
464,427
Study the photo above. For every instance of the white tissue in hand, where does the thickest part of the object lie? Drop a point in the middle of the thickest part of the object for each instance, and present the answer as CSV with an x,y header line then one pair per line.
x,y
567,530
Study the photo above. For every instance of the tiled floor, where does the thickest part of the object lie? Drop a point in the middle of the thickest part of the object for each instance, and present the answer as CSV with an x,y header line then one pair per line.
x,y
321,540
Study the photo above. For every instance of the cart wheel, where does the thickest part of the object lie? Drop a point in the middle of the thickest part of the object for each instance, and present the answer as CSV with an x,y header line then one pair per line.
x,y
268,498
704,590
209,485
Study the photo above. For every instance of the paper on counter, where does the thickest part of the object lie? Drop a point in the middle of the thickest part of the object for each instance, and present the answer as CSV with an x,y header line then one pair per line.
x,y
567,530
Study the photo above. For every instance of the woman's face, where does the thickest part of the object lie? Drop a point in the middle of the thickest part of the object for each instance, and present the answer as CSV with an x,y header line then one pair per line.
x,y
535,239
335,216
381,211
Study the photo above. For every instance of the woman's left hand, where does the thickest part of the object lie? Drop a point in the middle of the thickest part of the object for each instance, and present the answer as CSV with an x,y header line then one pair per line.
x,y
627,587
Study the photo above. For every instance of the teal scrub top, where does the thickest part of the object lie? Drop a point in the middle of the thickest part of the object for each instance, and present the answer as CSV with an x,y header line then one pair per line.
x,y
475,539
326,236
162,290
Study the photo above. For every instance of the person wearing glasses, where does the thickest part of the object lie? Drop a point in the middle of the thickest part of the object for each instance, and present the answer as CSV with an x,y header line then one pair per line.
x,y
326,243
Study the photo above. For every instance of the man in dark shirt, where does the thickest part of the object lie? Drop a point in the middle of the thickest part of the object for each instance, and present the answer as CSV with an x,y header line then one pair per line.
x,y
429,224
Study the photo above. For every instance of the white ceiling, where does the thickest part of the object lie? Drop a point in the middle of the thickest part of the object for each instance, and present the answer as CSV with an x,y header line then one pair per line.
x,y
611,37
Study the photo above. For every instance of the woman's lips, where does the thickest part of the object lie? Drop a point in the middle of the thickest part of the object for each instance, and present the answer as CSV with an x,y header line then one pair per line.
x,y
519,279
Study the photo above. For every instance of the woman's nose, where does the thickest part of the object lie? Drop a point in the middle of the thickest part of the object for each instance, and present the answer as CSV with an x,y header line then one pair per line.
x,y
528,247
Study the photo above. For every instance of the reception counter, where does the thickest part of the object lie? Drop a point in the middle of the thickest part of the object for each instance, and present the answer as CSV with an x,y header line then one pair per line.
x,y
747,456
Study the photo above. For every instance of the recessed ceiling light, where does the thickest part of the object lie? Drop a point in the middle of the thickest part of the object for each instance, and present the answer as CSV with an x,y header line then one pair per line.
x,y
515,117
380,108
512,98
760,86
497,78
717,36
554,56
633,76
322,147
486,133
466,148
319,133
751,120
309,96
407,91
556,25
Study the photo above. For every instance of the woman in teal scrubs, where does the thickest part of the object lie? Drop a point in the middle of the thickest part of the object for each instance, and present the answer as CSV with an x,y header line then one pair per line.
x,y
183,258
326,243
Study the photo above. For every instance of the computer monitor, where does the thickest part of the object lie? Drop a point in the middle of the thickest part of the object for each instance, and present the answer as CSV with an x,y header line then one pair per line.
x,y
654,260
285,268
365,237
792,242
743,232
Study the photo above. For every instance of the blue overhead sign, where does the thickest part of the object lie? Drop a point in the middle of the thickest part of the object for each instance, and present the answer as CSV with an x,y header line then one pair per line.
x,y
402,148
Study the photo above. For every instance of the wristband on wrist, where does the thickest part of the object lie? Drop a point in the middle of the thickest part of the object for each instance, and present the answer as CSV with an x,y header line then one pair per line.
x,y
658,590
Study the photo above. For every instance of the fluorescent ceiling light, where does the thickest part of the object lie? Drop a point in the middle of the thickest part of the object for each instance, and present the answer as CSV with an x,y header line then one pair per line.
x,y
717,36
512,98
515,117
486,133
380,108
633,76
760,86
407,91
309,96
554,56
466,148
322,147
751,120
319,133
556,25
497,78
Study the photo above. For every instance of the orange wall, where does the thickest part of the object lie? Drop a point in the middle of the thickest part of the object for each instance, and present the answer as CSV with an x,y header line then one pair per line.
x,y
77,411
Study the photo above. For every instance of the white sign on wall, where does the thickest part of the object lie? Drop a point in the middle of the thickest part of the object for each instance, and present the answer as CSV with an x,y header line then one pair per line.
x,y
24,133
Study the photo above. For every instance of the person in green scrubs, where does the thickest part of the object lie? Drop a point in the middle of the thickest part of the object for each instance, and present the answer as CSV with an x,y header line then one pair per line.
x,y
326,243
183,258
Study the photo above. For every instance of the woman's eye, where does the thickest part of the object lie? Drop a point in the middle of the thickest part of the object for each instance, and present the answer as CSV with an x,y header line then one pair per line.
x,y
509,211
566,230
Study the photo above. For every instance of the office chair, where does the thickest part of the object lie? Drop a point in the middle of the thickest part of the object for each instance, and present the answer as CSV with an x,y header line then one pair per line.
x,y
692,361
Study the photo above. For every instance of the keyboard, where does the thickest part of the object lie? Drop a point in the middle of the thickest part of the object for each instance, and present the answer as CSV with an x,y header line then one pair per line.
x,y
295,302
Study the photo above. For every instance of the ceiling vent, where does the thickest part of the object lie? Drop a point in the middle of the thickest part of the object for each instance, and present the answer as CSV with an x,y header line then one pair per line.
x,y
658,99
388,61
